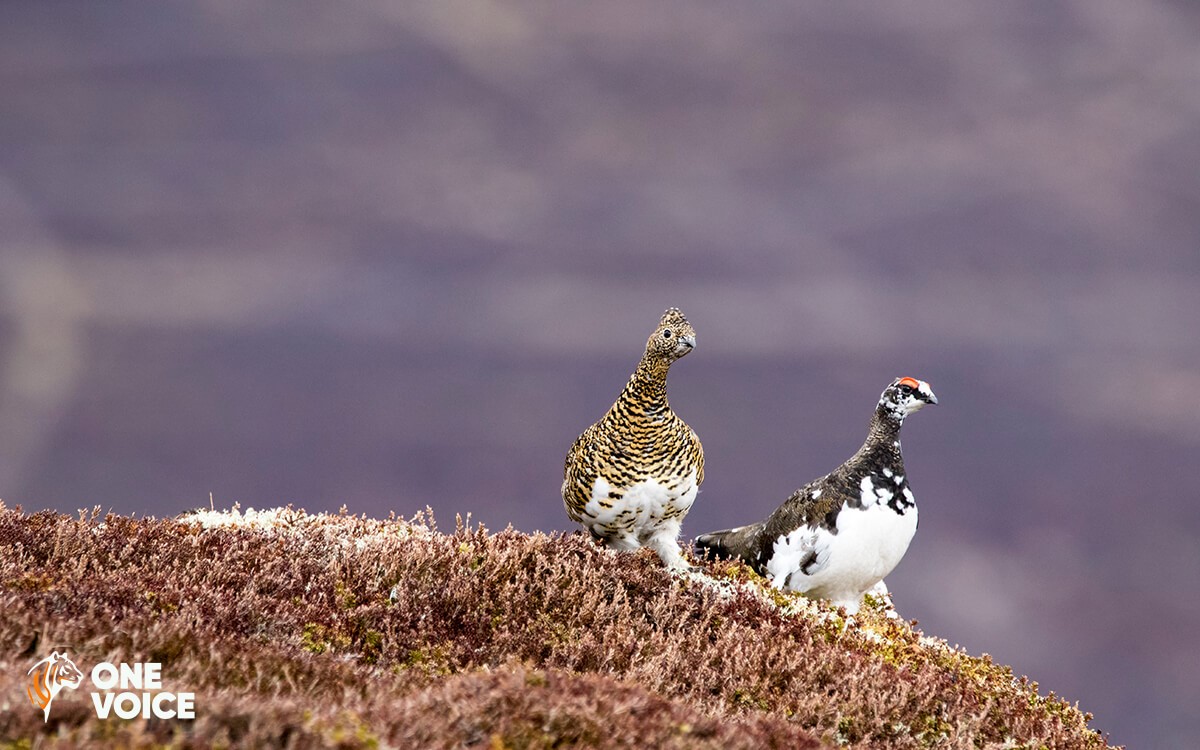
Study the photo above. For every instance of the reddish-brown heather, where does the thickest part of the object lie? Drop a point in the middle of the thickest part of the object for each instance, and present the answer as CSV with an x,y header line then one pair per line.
x,y
298,631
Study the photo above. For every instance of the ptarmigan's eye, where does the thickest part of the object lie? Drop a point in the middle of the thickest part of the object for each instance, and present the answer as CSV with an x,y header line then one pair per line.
x,y
666,334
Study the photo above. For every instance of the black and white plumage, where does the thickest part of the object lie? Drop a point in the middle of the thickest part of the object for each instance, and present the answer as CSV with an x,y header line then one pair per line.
x,y
837,537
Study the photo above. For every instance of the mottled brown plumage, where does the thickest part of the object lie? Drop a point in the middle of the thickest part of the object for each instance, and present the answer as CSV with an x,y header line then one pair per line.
x,y
632,477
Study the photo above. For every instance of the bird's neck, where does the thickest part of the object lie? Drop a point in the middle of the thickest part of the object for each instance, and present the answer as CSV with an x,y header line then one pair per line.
x,y
646,392
883,438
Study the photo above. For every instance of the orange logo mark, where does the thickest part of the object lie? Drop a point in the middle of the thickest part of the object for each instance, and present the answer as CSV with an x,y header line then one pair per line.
x,y
48,677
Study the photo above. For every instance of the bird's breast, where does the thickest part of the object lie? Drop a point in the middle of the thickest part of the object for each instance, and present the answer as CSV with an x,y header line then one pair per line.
x,y
649,500
871,541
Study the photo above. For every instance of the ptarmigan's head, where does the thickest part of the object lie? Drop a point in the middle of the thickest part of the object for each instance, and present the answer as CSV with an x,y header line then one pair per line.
x,y
673,338
906,396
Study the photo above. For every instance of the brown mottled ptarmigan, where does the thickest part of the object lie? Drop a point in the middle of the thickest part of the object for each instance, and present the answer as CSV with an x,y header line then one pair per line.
x,y
837,537
632,477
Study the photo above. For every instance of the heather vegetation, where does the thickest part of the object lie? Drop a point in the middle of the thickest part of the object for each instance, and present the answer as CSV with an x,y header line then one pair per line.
x,y
299,630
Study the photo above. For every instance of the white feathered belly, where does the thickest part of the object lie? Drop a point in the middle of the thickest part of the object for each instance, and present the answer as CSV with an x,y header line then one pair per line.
x,y
869,544
642,509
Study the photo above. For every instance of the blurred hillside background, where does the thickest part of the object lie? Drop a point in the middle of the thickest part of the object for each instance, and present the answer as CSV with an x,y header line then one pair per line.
x,y
389,254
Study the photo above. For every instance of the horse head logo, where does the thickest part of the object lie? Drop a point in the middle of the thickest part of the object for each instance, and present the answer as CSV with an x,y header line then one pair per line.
x,y
48,677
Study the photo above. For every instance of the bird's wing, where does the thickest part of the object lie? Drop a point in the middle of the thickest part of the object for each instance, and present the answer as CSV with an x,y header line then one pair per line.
x,y
699,449
798,533
813,504
579,473
802,551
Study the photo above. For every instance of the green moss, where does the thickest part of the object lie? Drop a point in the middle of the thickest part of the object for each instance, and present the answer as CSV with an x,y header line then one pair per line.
x,y
30,582
318,639
344,596
158,604
433,660
932,729
349,730
372,644
847,731
311,638
748,699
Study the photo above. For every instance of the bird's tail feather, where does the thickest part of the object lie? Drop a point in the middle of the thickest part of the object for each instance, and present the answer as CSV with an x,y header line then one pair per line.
x,y
740,542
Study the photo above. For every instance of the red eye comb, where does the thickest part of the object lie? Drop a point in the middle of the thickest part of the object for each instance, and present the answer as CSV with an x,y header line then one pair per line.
x,y
910,382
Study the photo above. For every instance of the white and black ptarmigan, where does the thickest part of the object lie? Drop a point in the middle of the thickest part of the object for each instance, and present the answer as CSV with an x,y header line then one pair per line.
x,y
632,477
837,537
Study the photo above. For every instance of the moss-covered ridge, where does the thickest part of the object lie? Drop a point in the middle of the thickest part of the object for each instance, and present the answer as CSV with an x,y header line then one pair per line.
x,y
340,630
